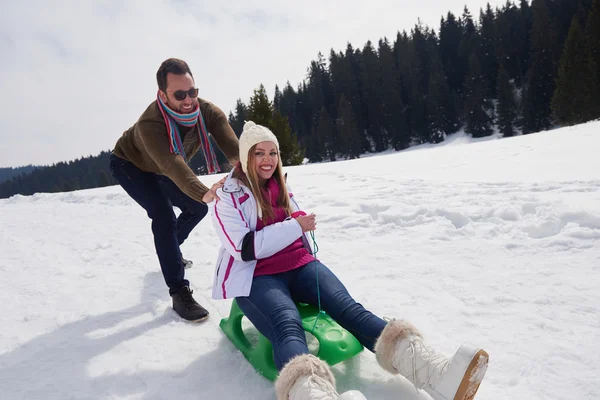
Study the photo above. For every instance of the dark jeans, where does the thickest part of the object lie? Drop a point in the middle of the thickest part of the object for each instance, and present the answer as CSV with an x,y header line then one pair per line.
x,y
157,194
270,307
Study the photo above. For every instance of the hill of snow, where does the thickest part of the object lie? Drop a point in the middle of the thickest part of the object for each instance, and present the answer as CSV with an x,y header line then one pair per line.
x,y
494,242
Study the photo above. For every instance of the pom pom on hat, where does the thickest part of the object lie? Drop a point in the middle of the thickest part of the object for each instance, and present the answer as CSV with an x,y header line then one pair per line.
x,y
252,135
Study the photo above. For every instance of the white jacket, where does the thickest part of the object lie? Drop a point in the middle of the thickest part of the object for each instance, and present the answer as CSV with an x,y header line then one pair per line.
x,y
233,216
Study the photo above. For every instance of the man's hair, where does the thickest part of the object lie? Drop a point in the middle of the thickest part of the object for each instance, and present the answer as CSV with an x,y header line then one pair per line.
x,y
174,66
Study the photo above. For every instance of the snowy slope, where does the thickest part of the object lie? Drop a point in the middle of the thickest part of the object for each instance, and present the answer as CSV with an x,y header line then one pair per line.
x,y
495,242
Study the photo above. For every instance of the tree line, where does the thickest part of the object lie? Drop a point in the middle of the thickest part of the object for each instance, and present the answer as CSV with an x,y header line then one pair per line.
x,y
83,173
8,173
518,69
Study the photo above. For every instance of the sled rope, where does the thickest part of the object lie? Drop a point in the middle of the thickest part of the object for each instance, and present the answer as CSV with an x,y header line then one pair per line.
x,y
316,249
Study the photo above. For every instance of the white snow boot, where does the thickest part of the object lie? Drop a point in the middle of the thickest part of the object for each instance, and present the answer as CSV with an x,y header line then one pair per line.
x,y
401,349
307,377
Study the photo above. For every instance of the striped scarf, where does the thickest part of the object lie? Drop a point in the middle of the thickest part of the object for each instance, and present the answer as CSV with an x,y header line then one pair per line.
x,y
172,119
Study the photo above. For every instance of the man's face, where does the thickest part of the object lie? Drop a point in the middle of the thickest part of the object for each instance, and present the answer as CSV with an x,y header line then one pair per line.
x,y
179,83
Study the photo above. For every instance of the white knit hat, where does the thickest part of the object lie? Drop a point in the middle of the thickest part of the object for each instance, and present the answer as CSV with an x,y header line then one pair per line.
x,y
252,135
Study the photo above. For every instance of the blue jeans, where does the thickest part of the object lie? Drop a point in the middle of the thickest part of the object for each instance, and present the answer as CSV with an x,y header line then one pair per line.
x,y
271,308
157,194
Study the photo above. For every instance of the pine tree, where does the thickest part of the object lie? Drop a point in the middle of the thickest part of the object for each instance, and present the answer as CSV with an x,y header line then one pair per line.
x,y
468,44
507,106
522,44
260,110
348,131
450,38
236,121
346,81
488,50
291,152
572,99
288,106
593,37
563,11
419,66
476,105
422,57
341,75
304,118
393,121
373,110
542,72
320,94
103,179
324,134
513,42
404,60
440,108
277,98
315,149
316,84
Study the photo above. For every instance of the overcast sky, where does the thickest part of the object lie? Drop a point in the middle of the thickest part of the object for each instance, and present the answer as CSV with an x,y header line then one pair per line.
x,y
76,74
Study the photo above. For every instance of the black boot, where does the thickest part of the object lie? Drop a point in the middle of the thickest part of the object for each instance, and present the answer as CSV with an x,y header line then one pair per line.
x,y
187,308
187,263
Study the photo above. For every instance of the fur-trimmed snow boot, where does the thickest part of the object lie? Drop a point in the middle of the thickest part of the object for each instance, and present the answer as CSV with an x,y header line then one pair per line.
x,y
306,377
401,349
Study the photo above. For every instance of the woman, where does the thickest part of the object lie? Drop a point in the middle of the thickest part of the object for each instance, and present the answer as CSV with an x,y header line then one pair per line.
x,y
266,264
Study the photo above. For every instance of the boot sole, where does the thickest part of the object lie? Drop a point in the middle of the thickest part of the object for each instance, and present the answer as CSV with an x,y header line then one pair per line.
x,y
199,319
192,320
473,376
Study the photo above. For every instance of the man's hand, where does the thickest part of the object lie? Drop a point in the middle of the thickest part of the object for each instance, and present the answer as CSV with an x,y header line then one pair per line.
x,y
212,193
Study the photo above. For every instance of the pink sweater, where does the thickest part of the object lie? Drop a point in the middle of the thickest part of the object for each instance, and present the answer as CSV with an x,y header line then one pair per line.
x,y
293,256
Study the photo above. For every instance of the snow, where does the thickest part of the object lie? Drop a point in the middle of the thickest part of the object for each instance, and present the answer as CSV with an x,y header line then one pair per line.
x,y
492,242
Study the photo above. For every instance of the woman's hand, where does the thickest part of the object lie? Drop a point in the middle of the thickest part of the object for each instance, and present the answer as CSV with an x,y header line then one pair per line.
x,y
212,192
307,222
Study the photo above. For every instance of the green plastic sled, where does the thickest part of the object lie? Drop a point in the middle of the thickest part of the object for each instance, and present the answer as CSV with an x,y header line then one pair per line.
x,y
335,343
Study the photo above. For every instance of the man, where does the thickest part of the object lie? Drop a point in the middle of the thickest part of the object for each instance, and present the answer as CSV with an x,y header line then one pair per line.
x,y
150,162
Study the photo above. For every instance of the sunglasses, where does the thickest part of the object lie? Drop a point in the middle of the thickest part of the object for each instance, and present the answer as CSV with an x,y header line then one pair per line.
x,y
180,95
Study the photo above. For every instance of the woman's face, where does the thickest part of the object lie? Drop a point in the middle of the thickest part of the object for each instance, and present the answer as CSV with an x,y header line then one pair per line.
x,y
266,158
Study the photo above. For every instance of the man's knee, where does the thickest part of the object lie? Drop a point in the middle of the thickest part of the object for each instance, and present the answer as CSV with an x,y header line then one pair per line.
x,y
197,210
163,217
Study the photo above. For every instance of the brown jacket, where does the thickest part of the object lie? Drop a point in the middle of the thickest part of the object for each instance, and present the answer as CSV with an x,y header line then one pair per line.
x,y
146,144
